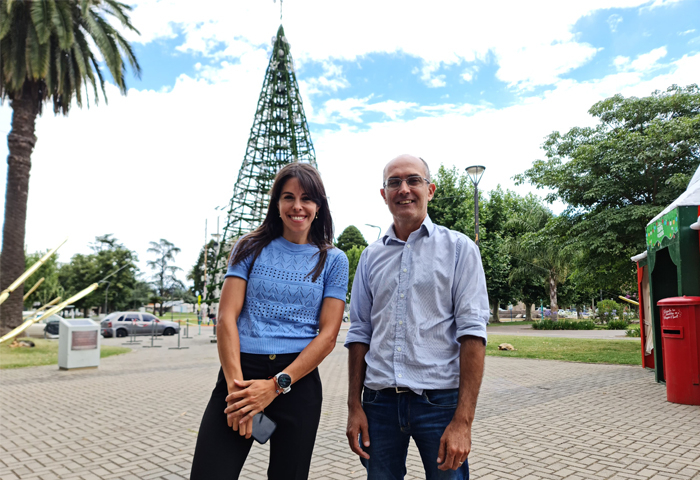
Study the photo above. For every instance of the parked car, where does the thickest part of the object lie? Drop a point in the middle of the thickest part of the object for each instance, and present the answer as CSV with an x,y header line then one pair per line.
x,y
122,324
47,328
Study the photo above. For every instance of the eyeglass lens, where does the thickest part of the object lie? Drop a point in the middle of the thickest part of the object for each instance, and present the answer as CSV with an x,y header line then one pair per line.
x,y
412,181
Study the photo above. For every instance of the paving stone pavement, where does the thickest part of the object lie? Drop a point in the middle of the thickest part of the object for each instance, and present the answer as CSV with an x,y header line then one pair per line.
x,y
137,416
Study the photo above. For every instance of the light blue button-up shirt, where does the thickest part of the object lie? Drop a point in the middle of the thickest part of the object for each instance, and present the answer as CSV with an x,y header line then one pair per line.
x,y
411,301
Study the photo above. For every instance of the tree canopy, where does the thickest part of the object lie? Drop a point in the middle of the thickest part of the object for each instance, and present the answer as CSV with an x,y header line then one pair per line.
x,y
166,281
106,259
615,177
350,237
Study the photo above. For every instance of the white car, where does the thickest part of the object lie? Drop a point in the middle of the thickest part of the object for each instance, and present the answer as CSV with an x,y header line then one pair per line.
x,y
39,329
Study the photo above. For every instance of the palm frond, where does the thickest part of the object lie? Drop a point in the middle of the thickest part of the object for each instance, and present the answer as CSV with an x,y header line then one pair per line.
x,y
42,15
62,21
31,52
129,53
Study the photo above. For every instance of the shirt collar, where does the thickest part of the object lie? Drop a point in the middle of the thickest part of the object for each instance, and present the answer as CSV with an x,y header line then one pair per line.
x,y
427,227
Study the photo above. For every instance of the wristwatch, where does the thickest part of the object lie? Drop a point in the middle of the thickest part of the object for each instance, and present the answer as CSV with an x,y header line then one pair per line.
x,y
284,382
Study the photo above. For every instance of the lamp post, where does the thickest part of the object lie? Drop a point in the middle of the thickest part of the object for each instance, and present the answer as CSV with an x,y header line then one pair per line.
x,y
475,173
375,226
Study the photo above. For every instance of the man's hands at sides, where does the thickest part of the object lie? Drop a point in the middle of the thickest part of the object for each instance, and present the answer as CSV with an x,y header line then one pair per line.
x,y
455,445
357,424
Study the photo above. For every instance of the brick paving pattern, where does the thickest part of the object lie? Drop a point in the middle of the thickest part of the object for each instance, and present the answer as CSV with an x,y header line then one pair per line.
x,y
137,415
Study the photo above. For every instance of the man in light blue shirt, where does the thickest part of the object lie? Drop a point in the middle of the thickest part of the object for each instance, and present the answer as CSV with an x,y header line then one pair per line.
x,y
417,339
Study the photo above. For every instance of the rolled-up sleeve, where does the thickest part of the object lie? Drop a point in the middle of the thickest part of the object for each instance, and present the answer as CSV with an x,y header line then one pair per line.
x,y
471,301
360,330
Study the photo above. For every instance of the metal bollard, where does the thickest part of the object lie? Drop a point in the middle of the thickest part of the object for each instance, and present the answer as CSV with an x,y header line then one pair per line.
x,y
153,334
178,338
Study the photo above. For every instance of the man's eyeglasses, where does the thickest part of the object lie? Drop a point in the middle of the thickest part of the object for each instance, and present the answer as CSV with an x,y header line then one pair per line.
x,y
413,181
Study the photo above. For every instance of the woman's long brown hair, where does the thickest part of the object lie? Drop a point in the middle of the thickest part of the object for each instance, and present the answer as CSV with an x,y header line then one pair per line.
x,y
321,233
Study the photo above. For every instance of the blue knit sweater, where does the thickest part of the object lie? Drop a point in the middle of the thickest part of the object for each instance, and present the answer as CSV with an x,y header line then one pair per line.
x,y
282,305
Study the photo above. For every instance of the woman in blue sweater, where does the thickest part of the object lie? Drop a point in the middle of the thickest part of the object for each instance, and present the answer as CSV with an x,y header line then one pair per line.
x,y
281,308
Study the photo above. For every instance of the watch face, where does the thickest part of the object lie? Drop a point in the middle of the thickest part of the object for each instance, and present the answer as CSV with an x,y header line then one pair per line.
x,y
284,380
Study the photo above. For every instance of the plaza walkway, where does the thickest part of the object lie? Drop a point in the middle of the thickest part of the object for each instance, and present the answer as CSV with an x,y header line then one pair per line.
x,y
136,417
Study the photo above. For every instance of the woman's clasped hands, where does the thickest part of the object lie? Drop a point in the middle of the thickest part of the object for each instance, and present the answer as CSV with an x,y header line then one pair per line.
x,y
247,399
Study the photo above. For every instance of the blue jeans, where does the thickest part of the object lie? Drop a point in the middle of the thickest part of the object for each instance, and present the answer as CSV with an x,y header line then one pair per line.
x,y
394,418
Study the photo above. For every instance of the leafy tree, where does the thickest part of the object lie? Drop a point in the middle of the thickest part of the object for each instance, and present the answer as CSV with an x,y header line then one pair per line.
x,y
196,275
353,255
350,237
617,176
544,250
50,288
117,262
452,205
140,295
46,55
165,274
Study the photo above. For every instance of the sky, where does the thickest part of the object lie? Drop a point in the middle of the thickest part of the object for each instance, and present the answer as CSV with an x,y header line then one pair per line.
x,y
456,83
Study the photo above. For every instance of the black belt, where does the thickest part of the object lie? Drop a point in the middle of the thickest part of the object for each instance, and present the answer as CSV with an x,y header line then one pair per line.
x,y
395,390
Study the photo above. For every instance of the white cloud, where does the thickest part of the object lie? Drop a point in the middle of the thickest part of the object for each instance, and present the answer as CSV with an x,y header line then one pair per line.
x,y
541,64
648,61
428,75
660,3
613,21
444,33
352,109
687,32
469,73
621,61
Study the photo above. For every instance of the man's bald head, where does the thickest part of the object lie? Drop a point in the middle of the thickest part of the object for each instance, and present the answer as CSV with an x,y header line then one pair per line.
x,y
406,156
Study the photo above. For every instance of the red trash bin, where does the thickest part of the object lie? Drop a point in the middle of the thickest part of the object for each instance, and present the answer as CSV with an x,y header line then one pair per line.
x,y
680,333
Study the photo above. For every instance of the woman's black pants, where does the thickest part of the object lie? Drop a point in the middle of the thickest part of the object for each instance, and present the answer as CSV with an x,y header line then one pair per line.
x,y
221,452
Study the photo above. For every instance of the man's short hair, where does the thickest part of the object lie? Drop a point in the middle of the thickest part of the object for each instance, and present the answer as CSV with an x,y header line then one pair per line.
x,y
425,164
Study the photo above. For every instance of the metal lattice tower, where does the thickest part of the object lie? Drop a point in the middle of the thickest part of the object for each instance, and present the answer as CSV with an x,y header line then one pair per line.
x,y
279,135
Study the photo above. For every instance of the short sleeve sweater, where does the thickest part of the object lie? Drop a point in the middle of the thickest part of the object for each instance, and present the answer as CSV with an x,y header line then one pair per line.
x,y
282,305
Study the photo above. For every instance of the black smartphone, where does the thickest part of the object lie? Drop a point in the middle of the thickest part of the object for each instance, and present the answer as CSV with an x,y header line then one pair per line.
x,y
263,427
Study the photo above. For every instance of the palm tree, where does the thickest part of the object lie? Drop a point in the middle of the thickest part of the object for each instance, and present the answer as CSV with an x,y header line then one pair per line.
x,y
46,55
166,281
540,253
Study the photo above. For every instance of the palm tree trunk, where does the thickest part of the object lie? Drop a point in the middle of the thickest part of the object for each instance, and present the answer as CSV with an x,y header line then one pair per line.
x,y
553,297
20,142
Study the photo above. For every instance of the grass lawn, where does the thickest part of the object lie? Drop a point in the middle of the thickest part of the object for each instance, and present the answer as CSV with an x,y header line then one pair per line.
x,y
620,352
504,323
44,353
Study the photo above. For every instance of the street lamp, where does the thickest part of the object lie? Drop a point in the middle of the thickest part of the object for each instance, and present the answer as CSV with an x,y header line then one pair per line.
x,y
475,173
380,229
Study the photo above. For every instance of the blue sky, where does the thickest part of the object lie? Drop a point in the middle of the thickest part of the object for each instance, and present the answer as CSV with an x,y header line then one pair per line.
x,y
457,83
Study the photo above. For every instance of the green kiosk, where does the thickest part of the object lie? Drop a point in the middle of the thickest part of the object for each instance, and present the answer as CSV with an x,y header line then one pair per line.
x,y
670,267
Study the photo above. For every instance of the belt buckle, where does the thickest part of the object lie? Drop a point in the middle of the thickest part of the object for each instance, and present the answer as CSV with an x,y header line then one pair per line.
x,y
402,389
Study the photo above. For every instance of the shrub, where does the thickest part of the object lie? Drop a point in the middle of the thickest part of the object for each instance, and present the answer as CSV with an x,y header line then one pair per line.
x,y
633,331
617,325
547,324
607,310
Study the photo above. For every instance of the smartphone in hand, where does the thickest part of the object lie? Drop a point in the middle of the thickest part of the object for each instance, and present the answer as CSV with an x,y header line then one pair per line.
x,y
263,427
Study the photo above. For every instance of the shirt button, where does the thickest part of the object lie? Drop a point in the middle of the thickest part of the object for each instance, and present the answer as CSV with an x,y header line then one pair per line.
x,y
398,349
408,245
400,322
405,270
402,295
400,375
